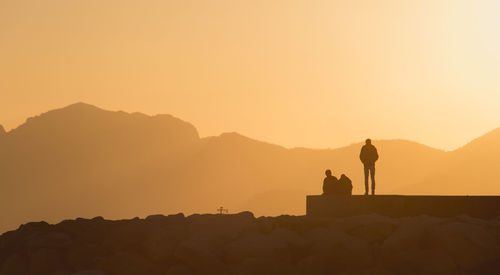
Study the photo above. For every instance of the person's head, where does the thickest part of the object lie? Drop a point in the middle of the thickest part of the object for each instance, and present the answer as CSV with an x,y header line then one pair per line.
x,y
328,173
368,141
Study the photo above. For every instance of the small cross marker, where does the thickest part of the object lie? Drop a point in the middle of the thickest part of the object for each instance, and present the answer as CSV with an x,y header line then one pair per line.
x,y
221,210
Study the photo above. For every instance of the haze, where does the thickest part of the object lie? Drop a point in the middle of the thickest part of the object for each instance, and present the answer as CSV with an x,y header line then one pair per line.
x,y
297,73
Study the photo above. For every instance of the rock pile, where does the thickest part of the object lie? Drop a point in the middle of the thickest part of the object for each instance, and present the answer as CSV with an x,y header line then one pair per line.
x,y
242,244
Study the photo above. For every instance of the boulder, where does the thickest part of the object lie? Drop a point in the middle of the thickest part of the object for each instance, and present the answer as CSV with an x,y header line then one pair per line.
x,y
227,225
281,244
341,250
375,232
264,266
49,239
315,264
160,245
415,232
253,245
46,261
202,253
88,231
420,261
82,256
35,227
14,265
241,244
128,262
180,270
469,244
324,238
352,223
128,235
165,220
89,272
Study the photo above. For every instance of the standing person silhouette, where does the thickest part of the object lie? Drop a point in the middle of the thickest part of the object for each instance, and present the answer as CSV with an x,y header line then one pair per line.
x,y
368,157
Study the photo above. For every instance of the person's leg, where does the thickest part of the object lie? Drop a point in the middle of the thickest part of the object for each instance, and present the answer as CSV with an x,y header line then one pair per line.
x,y
372,174
366,180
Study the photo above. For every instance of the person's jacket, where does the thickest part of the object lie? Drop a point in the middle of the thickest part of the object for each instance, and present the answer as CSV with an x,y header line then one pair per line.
x,y
368,155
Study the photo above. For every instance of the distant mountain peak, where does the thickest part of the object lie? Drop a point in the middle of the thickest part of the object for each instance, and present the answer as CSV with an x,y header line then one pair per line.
x,y
80,106
2,130
495,133
233,135
82,117
492,138
79,109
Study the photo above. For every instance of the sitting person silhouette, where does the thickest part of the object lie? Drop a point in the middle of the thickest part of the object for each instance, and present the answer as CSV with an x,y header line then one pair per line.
x,y
330,184
345,185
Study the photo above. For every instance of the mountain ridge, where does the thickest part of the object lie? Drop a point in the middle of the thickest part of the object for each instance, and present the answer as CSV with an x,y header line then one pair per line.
x,y
82,106
85,161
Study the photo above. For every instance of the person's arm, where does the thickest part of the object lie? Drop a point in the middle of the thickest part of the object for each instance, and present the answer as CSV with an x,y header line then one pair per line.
x,y
376,154
362,155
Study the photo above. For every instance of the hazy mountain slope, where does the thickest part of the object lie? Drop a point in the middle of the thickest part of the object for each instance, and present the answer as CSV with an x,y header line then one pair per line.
x,y
469,170
81,160
84,161
237,172
303,171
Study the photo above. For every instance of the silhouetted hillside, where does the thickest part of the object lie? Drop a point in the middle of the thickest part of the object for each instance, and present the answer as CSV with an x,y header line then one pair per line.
x,y
242,244
85,161
80,160
469,170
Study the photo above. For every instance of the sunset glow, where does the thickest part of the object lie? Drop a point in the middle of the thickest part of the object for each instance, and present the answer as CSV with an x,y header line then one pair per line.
x,y
296,73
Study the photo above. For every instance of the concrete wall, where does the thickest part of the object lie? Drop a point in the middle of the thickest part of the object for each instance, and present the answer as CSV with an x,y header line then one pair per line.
x,y
401,206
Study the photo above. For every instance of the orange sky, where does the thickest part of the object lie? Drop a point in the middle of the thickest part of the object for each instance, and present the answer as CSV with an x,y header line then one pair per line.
x,y
297,73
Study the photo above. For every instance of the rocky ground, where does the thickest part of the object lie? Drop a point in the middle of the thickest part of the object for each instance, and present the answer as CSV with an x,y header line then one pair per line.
x,y
242,244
